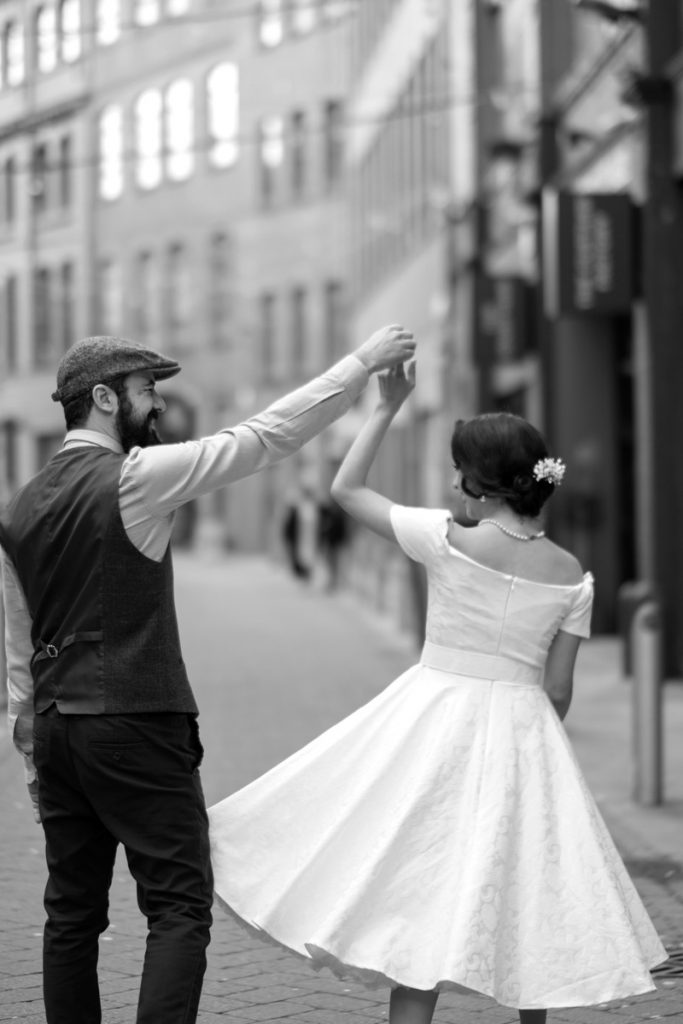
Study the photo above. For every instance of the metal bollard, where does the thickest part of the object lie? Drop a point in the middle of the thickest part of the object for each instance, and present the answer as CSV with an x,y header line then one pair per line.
x,y
630,596
646,647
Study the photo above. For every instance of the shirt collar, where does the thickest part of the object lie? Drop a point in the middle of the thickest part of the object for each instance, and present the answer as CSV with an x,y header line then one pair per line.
x,y
83,436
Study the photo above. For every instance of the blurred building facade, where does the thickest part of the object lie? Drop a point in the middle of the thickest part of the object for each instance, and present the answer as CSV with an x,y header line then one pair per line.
x,y
563,248
412,156
255,188
292,235
171,172
44,222
611,254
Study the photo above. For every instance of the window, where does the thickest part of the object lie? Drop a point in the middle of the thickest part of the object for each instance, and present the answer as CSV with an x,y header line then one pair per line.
x,y
109,297
302,16
148,139
270,22
297,152
70,30
223,102
111,153
334,145
179,130
66,319
221,285
64,170
334,9
47,445
15,68
46,38
271,154
42,319
9,195
267,335
10,446
335,320
146,297
108,21
299,329
10,333
39,179
179,304
146,12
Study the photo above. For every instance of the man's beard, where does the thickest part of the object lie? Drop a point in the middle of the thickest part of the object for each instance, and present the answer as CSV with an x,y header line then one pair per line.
x,y
134,431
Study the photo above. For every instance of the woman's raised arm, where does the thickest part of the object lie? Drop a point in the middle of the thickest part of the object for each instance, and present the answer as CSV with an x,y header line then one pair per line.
x,y
349,487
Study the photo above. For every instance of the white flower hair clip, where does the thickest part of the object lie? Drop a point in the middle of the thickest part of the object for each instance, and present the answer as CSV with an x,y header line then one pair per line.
x,y
551,470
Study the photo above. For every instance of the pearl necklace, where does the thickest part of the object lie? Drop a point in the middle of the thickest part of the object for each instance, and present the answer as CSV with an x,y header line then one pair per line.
x,y
512,533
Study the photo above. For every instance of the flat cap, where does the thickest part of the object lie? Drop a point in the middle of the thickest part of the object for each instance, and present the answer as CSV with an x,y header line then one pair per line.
x,y
100,359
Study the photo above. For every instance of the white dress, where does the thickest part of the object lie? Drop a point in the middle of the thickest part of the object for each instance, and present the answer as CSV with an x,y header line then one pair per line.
x,y
442,836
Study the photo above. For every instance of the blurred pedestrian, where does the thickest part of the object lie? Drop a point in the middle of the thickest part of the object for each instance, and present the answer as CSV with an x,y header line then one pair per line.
x,y
333,536
300,531
100,705
442,836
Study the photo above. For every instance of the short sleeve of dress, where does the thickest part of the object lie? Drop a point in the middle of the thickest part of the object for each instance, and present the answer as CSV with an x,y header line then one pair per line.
x,y
421,532
578,618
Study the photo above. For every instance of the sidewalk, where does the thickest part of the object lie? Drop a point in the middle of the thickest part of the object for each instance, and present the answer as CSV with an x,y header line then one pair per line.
x,y
246,627
650,839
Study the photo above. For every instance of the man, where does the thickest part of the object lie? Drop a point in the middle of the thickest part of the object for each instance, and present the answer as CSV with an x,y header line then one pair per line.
x,y
99,701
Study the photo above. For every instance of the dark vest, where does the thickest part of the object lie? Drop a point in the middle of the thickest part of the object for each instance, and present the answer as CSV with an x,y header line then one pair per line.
x,y
104,627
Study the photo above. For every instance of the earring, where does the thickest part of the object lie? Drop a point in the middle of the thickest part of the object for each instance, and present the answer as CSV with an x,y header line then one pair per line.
x,y
482,498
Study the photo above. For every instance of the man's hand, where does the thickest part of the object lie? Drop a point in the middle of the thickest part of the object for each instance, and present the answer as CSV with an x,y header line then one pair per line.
x,y
386,348
33,793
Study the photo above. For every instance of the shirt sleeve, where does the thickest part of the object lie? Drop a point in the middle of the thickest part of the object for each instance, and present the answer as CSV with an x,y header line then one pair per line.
x,y
156,481
19,651
421,532
578,619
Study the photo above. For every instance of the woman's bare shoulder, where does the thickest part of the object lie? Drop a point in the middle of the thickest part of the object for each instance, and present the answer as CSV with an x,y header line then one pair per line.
x,y
565,564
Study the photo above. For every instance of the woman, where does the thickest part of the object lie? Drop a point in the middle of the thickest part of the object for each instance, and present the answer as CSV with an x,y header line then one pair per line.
x,y
442,836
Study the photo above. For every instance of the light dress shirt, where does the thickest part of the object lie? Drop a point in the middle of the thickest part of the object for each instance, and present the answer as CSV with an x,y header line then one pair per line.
x,y
156,481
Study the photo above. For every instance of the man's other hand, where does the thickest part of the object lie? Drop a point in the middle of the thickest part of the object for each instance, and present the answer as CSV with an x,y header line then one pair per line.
x,y
386,348
33,793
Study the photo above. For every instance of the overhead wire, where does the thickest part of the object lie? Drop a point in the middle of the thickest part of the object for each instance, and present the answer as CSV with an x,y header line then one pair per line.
x,y
402,111
251,139
166,20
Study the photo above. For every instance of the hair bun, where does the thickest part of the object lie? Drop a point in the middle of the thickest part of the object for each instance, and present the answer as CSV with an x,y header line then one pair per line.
x,y
522,483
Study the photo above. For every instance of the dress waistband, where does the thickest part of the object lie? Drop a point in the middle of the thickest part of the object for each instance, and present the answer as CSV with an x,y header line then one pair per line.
x,y
482,666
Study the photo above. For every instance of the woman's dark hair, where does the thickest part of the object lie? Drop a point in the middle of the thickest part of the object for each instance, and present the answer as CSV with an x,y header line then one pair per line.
x,y
496,454
76,411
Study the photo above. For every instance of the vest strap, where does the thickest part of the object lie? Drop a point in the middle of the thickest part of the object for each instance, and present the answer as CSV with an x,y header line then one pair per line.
x,y
53,651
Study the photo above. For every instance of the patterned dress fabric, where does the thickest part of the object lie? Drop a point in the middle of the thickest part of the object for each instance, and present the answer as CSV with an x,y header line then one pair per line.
x,y
442,836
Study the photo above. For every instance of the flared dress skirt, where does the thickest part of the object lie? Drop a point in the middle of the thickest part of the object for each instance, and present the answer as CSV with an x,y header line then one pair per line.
x,y
440,837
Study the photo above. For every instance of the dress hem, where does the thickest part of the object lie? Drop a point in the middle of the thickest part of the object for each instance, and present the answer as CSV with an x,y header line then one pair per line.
x,y
372,979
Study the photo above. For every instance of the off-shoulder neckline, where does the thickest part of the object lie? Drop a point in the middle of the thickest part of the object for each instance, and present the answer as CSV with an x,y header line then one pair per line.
x,y
587,576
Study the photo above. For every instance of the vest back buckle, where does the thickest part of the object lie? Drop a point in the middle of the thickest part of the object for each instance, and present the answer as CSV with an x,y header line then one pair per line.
x,y
51,651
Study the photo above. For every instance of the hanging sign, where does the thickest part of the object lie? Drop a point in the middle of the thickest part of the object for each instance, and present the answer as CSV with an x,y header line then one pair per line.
x,y
588,253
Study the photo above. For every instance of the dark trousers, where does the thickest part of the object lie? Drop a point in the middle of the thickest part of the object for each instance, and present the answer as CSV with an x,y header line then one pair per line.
x,y
130,779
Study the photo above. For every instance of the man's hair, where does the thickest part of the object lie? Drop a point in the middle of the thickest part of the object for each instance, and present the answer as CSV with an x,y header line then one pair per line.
x,y
77,411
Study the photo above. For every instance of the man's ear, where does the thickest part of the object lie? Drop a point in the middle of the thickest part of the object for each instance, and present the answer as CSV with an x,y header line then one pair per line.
x,y
104,398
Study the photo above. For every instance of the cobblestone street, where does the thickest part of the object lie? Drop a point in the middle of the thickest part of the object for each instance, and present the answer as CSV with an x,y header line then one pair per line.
x,y
273,664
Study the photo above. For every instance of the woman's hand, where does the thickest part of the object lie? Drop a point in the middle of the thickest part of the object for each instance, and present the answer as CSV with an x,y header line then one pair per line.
x,y
395,385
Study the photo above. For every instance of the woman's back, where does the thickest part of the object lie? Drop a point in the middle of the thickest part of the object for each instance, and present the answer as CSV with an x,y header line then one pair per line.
x,y
539,560
502,607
